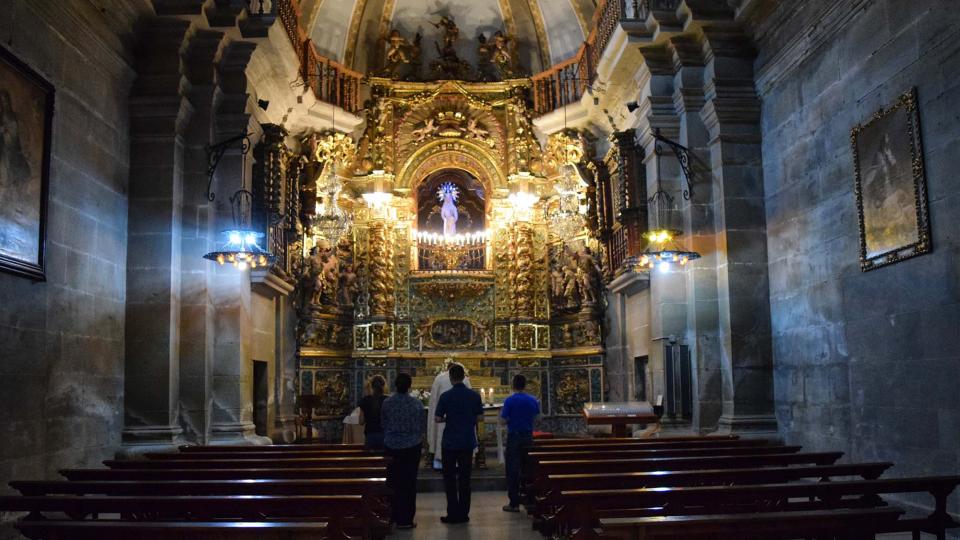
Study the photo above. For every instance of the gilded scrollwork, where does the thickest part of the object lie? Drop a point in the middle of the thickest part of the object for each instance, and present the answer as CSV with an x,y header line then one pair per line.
x,y
333,390
572,391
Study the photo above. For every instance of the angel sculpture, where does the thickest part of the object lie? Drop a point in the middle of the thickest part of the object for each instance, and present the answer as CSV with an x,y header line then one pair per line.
x,y
421,134
474,130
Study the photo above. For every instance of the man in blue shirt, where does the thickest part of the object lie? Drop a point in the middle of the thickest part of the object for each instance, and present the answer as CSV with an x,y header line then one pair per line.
x,y
459,408
519,411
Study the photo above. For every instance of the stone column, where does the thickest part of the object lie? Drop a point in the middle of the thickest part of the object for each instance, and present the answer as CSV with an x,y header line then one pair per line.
x,y
700,236
198,238
159,115
232,384
732,117
668,294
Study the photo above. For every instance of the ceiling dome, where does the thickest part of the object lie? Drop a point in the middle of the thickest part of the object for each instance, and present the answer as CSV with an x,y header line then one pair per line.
x,y
352,31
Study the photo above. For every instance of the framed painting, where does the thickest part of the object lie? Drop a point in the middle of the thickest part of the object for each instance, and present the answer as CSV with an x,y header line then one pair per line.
x,y
26,117
890,185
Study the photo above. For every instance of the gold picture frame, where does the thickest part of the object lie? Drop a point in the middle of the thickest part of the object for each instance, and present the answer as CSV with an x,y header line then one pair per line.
x,y
890,185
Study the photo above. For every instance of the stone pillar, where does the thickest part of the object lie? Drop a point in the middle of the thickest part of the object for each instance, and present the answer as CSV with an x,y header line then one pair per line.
x,y
232,384
159,115
668,294
198,238
732,116
699,235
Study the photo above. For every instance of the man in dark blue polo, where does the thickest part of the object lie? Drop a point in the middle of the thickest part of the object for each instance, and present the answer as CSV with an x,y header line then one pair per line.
x,y
460,408
519,411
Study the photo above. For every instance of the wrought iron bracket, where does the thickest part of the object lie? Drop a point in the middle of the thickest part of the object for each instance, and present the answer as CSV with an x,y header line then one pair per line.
x,y
683,156
215,153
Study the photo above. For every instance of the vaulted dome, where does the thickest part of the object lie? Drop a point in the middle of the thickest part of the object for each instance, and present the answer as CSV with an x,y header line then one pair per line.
x,y
352,31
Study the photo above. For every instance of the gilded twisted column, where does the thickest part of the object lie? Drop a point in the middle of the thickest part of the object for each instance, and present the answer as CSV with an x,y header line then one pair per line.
x,y
382,299
523,272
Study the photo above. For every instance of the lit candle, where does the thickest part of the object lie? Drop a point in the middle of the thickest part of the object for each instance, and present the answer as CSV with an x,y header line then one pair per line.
x,y
490,394
421,343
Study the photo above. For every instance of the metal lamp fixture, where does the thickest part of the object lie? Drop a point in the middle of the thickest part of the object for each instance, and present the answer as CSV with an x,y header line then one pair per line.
x,y
663,250
239,245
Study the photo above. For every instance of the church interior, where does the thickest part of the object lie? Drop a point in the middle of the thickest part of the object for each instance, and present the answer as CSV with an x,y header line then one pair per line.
x,y
220,220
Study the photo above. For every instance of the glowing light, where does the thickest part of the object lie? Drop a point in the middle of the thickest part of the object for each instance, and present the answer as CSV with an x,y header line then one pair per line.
x,y
377,199
523,200
664,266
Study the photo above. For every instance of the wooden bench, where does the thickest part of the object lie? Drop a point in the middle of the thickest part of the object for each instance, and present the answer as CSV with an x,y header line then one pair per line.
x,y
314,463
373,487
269,447
285,454
153,530
221,474
546,505
580,509
645,445
538,484
845,523
535,457
343,514
610,440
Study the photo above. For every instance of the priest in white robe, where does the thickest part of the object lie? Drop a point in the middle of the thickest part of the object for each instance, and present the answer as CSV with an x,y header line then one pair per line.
x,y
434,430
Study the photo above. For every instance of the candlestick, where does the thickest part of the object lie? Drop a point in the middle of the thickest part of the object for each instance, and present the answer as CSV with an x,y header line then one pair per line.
x,y
421,344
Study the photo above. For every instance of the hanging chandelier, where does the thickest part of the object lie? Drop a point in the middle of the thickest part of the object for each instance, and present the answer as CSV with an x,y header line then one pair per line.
x,y
240,245
566,217
663,249
330,221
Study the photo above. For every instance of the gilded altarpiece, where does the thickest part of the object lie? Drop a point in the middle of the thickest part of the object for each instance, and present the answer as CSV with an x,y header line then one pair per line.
x,y
503,296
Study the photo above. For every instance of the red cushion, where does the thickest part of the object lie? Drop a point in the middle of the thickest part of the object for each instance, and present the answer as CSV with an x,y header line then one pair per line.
x,y
542,435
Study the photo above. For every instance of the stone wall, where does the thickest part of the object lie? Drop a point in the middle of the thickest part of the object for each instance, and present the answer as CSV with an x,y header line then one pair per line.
x,y
864,362
62,341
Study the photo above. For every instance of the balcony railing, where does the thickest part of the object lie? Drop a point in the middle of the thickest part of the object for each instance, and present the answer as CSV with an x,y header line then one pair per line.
x,y
565,83
330,81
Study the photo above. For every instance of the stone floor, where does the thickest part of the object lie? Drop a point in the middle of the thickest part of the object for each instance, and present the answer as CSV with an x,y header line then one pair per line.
x,y
487,520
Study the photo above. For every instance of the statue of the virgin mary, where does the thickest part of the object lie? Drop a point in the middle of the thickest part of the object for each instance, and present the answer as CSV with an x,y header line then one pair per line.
x,y
448,212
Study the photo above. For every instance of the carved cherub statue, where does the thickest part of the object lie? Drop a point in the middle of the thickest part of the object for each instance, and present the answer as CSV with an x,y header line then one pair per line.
x,y
420,134
475,131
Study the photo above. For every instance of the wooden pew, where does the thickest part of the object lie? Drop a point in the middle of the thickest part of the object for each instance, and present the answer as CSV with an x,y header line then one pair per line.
x,y
619,440
845,523
154,530
580,509
538,484
269,447
343,514
644,445
544,508
316,463
535,457
286,454
371,487
222,474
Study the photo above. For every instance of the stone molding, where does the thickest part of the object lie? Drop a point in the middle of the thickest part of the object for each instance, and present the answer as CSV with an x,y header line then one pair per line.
x,y
270,282
804,43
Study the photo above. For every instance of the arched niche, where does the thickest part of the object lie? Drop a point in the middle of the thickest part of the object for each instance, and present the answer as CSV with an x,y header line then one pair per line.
x,y
472,201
